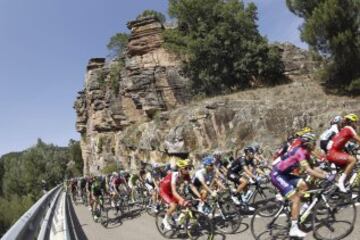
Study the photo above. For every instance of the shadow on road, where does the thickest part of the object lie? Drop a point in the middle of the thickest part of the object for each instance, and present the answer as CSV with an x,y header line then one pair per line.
x,y
243,227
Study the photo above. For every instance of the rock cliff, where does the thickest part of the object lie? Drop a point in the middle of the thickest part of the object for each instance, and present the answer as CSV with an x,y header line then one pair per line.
x,y
142,111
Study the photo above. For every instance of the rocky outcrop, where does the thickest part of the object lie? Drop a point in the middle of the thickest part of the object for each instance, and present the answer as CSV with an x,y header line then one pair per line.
x,y
297,61
120,94
139,109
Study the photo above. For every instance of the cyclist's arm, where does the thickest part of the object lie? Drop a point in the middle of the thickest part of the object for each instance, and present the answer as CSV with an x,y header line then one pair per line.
x,y
176,194
193,188
357,138
313,172
248,171
203,183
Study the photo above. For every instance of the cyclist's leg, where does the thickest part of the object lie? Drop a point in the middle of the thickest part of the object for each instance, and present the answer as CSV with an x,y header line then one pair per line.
x,y
243,182
345,160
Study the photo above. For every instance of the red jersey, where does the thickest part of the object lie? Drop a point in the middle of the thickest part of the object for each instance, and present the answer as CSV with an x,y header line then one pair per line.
x,y
173,178
116,181
342,137
296,143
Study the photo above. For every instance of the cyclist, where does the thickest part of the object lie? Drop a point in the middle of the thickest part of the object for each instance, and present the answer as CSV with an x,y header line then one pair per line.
x,y
95,194
204,178
82,187
285,178
336,153
134,179
292,142
115,182
243,166
152,180
168,189
328,134
73,187
219,163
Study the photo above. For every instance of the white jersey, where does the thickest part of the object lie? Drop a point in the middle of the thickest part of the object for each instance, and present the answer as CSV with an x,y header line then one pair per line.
x,y
329,133
203,176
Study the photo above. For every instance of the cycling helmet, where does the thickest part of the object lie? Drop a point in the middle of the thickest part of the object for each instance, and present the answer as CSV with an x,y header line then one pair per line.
x,y
208,161
183,163
249,150
308,137
303,131
257,148
115,174
335,120
155,165
217,153
352,117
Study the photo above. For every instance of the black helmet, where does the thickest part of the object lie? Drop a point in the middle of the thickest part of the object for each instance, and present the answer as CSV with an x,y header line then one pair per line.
x,y
249,150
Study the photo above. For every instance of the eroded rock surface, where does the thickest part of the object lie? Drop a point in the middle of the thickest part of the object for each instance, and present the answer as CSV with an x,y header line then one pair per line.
x,y
144,113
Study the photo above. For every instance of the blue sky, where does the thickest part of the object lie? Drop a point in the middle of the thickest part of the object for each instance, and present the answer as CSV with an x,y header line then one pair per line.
x,y
46,44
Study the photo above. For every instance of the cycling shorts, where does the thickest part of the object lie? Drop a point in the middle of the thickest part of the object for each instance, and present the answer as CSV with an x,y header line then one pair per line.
x,y
167,196
97,192
285,183
339,158
149,187
235,178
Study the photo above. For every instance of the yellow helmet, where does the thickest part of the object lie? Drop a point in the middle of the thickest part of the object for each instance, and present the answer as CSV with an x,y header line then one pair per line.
x,y
183,163
352,117
303,131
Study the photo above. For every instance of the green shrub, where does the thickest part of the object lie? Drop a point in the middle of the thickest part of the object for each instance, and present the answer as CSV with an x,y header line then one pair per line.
x,y
222,44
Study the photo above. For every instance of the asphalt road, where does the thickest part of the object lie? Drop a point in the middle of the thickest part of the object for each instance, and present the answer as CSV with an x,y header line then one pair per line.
x,y
141,226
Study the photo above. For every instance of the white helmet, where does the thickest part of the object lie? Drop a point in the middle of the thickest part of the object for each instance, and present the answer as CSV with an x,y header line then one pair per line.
x,y
115,174
336,120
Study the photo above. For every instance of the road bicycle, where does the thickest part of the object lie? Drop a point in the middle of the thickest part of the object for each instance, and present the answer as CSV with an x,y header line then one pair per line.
x,y
186,221
330,215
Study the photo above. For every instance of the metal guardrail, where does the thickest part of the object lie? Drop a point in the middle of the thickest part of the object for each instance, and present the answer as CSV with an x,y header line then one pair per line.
x,y
30,223
53,215
46,224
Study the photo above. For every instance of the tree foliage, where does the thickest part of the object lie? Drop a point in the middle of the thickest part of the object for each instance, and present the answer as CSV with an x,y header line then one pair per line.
x,y
22,174
118,44
151,13
332,28
222,44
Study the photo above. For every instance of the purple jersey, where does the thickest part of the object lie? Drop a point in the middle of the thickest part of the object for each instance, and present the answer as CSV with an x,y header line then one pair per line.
x,y
296,157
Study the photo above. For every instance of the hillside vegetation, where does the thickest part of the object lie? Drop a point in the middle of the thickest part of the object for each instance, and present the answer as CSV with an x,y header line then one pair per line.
x,y
22,173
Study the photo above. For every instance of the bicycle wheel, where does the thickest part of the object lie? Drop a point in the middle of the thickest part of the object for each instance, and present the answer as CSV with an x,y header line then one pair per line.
x,y
104,217
262,196
227,219
271,226
199,226
150,208
160,226
335,220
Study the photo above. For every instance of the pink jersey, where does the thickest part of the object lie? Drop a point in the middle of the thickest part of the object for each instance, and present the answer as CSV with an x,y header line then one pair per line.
x,y
296,158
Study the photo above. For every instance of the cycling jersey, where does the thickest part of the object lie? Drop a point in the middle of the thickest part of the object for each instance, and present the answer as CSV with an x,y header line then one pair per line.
x,y
132,180
282,173
237,165
341,138
96,188
165,185
116,181
327,135
286,147
202,176
295,159
336,154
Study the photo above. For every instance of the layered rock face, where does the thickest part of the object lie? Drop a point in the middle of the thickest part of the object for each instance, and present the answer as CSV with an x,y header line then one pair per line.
x,y
148,81
144,113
